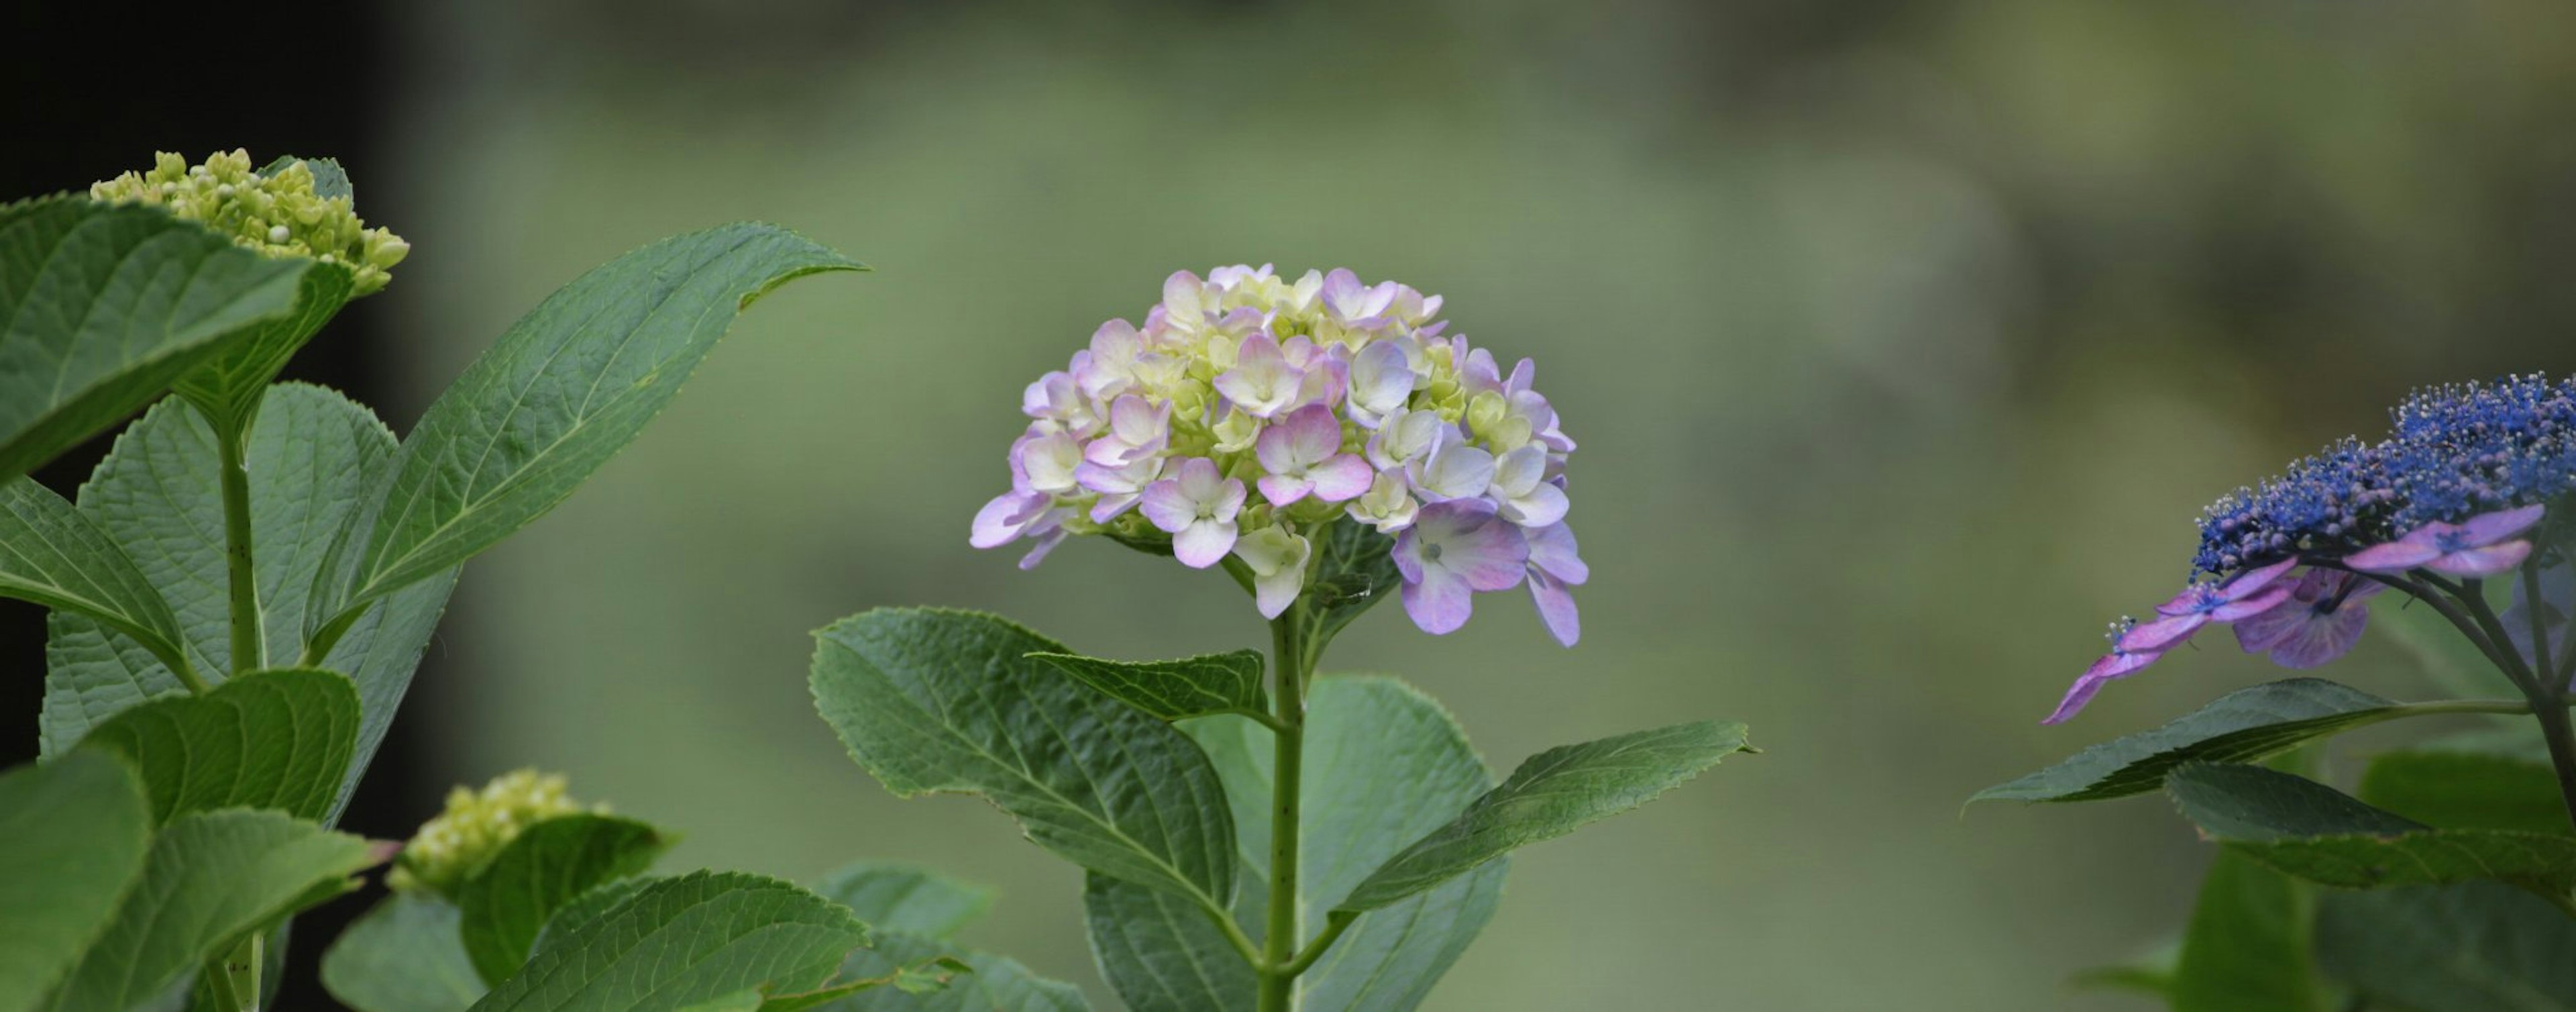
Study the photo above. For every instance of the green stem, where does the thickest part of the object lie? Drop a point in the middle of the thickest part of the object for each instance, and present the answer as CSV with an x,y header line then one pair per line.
x,y
1292,660
249,653
2548,702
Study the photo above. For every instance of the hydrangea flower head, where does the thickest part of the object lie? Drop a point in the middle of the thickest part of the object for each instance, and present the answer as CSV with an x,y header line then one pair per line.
x,y
2463,488
1249,414
476,825
276,212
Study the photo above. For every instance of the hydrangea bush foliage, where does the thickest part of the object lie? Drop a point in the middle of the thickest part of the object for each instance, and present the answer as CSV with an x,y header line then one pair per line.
x,y
2449,869
1327,444
241,592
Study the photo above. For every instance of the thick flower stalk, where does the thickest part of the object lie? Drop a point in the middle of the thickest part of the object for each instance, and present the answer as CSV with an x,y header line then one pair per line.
x,y
475,826
2466,488
1249,413
274,212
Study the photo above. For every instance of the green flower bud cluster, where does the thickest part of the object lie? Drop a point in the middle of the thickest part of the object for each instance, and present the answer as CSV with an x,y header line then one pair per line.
x,y
476,825
276,213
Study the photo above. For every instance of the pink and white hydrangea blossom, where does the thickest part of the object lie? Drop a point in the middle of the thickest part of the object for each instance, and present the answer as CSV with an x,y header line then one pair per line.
x,y
1347,405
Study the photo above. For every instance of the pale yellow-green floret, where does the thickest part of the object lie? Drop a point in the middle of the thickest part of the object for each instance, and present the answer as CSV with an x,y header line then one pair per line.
x,y
278,215
476,825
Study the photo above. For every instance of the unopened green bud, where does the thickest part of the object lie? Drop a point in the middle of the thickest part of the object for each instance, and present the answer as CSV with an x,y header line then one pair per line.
x,y
476,825
277,214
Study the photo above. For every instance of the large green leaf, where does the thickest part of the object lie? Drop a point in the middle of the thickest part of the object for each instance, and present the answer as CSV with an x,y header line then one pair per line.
x,y
211,879
52,555
2474,947
906,898
558,394
2247,950
2467,790
403,956
269,739
910,912
1383,765
679,941
103,306
1554,793
508,901
1174,690
2315,832
931,700
72,837
2242,726
157,496
231,384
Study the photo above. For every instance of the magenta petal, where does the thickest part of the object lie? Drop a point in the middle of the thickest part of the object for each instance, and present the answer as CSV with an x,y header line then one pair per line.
x,y
2163,633
2489,528
2254,581
2320,638
1203,544
1167,506
1556,608
2112,667
1284,491
1552,550
1342,478
2258,633
2491,560
1314,432
1408,553
1005,517
2393,557
2253,605
1046,543
1440,603
2185,603
1490,556
1111,507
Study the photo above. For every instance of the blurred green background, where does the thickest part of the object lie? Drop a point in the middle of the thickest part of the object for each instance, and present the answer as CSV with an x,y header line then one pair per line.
x,y
1903,341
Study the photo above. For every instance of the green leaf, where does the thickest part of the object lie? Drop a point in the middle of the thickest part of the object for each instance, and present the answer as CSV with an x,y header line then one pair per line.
x,y
211,879
992,983
103,306
2317,833
2476,947
508,901
1556,792
677,941
231,384
1383,765
2467,790
403,956
72,836
53,556
1174,690
899,897
1354,570
746,1000
157,496
2247,950
269,739
1160,952
932,700
2242,726
558,394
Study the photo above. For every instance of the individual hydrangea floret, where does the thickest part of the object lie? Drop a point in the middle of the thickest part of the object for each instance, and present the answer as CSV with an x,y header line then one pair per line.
x,y
476,825
2461,489
1249,413
275,213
